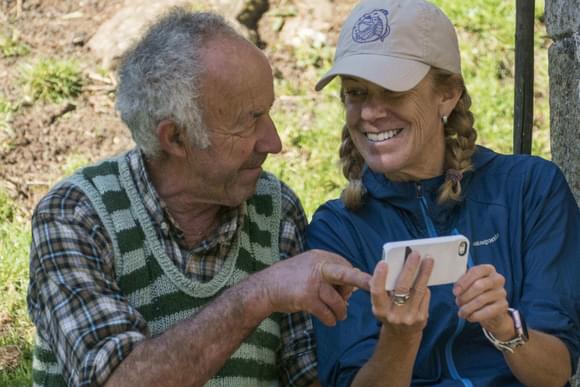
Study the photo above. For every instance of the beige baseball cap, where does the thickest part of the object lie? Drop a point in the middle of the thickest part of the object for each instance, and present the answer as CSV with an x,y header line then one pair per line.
x,y
393,43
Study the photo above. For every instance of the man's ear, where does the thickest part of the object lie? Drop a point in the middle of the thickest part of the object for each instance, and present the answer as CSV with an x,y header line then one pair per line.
x,y
171,138
449,99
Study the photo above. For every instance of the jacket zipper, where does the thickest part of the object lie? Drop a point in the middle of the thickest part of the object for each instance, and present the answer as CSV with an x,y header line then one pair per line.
x,y
432,231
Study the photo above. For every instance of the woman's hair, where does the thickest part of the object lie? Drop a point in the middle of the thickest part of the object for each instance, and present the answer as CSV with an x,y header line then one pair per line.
x,y
159,77
460,139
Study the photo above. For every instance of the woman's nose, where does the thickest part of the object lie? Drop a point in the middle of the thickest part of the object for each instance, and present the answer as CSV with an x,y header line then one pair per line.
x,y
374,108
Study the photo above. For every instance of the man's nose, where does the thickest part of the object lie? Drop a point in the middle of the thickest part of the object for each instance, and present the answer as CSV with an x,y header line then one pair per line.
x,y
268,140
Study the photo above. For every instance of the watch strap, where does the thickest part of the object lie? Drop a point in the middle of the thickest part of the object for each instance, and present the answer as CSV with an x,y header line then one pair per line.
x,y
521,334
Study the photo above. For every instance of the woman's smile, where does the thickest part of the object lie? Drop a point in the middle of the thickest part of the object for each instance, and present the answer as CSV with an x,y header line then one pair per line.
x,y
383,136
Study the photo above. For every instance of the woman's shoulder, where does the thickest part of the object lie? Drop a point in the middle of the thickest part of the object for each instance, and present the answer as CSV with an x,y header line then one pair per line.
x,y
492,163
331,209
513,176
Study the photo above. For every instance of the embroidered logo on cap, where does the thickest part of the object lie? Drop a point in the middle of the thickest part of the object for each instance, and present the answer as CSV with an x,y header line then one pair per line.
x,y
371,26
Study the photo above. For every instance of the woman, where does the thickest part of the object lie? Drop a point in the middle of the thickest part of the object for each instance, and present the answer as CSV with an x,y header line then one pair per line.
x,y
414,171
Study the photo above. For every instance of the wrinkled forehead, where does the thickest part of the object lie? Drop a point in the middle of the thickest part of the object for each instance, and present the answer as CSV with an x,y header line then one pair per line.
x,y
234,64
236,76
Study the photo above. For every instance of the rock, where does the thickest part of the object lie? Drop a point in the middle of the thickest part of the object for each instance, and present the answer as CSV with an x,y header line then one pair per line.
x,y
247,12
562,17
563,26
298,22
118,33
564,70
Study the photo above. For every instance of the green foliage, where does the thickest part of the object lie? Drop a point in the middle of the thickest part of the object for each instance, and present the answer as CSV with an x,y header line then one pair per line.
x,y
6,110
486,30
309,128
73,162
52,80
5,106
15,326
10,46
314,55
7,209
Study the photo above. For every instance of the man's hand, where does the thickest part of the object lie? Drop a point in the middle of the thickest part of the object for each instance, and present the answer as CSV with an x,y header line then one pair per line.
x,y
315,281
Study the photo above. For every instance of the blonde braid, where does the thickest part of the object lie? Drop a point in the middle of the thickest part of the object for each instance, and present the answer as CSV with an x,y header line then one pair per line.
x,y
352,168
460,137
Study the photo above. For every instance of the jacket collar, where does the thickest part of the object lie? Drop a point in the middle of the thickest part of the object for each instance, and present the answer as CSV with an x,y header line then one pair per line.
x,y
398,193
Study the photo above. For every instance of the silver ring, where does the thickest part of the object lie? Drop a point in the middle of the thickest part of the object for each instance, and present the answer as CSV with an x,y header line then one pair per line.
x,y
400,299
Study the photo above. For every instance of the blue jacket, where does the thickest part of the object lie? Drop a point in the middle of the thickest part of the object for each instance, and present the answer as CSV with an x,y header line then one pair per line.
x,y
520,216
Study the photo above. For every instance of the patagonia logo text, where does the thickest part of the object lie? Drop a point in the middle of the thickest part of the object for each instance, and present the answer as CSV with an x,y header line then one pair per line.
x,y
371,26
487,241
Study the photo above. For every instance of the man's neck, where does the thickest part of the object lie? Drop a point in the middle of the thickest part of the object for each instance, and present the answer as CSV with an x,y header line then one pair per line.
x,y
196,219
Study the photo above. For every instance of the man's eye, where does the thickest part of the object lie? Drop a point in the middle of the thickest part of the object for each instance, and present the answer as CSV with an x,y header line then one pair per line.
x,y
256,115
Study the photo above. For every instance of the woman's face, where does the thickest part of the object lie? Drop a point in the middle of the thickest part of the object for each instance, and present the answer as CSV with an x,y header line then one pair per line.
x,y
399,134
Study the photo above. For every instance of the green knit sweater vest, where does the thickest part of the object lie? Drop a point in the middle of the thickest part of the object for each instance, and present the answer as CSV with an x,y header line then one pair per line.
x,y
160,291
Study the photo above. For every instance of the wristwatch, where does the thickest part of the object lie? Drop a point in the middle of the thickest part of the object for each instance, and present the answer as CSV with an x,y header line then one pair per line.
x,y
521,334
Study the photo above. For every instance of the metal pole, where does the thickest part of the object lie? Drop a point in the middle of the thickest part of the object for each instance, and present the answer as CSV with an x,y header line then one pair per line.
x,y
524,77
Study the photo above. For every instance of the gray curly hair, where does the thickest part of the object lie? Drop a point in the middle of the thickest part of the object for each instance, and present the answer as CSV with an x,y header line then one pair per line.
x,y
159,77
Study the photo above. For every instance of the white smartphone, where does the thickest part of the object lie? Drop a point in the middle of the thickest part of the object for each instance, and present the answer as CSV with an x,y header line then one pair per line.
x,y
449,253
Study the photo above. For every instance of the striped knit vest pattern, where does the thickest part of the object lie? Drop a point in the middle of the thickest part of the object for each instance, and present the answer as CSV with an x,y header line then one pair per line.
x,y
160,291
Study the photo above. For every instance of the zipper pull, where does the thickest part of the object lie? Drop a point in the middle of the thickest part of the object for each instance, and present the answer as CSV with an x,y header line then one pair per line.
x,y
419,190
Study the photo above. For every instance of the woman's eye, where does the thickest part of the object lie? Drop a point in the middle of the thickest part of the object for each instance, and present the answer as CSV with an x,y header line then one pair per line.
x,y
355,93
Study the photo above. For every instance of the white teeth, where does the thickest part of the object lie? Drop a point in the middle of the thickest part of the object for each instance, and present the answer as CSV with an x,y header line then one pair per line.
x,y
376,137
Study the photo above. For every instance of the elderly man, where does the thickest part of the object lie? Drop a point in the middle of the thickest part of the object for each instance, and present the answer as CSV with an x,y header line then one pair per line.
x,y
165,266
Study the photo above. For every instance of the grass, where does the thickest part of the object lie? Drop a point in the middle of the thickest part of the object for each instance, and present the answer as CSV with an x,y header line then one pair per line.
x,y
16,330
11,46
52,80
6,109
487,43
309,125
73,162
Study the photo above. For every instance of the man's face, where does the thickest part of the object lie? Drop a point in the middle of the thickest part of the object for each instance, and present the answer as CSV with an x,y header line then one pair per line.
x,y
237,93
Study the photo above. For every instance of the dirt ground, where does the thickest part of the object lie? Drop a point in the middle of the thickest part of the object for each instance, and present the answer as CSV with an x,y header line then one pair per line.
x,y
44,139
42,135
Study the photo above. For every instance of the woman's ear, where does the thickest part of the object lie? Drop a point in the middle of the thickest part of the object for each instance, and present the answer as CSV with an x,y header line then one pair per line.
x,y
171,138
449,98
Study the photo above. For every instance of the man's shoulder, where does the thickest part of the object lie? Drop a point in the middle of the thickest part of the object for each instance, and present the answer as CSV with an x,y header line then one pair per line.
x,y
70,193
68,197
64,199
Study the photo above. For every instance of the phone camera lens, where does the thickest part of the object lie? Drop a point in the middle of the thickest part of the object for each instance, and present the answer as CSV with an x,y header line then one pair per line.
x,y
462,248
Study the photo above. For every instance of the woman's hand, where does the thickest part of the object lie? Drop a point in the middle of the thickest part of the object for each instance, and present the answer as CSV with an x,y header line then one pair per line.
x,y
408,318
482,298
